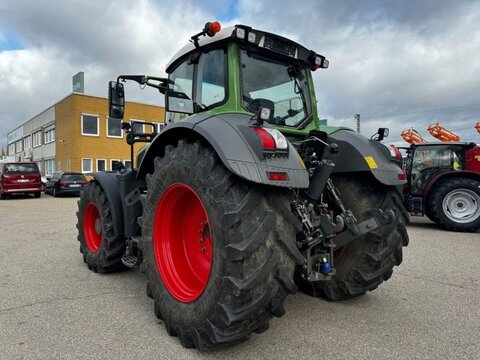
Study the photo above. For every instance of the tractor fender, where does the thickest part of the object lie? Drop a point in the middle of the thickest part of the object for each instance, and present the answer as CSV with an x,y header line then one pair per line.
x,y
109,185
238,146
357,153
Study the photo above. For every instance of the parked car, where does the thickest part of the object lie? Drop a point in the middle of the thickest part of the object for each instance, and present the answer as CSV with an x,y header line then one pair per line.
x,y
44,180
60,183
19,177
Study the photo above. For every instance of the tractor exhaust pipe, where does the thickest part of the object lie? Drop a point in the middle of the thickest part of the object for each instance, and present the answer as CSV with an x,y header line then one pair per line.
x,y
319,179
322,172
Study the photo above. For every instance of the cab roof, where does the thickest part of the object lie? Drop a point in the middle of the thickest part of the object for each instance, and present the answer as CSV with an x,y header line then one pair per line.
x,y
278,45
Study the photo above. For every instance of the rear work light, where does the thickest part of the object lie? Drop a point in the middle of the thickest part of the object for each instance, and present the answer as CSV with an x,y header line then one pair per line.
x,y
272,139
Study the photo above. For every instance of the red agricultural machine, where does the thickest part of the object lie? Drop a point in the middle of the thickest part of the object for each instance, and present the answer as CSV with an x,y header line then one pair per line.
x,y
443,179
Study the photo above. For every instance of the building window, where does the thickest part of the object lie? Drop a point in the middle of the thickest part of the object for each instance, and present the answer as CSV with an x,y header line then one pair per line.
x,y
11,149
138,126
90,125
160,126
40,167
18,146
49,166
101,165
37,138
114,128
112,164
86,165
27,142
127,163
49,135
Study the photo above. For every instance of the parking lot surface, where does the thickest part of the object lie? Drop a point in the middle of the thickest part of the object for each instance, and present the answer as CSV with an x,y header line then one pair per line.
x,y
53,307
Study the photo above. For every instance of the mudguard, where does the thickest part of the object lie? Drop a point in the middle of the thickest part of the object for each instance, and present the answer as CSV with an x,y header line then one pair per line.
x,y
357,153
109,184
239,148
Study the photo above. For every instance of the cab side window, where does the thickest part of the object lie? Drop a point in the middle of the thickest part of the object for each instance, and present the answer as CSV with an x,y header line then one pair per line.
x,y
180,93
197,84
211,79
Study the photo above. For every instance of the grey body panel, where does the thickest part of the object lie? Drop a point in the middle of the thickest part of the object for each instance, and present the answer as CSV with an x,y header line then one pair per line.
x,y
353,148
238,147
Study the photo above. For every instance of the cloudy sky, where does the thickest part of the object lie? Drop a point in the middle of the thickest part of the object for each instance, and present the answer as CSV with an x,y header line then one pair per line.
x,y
399,64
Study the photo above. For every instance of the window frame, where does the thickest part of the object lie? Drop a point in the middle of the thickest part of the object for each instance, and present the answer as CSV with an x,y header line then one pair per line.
x,y
111,163
46,133
197,84
105,162
169,117
308,106
46,167
114,136
11,146
39,132
91,165
18,146
29,137
98,125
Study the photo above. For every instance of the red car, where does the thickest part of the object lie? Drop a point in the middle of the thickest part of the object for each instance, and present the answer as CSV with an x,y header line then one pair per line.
x,y
19,177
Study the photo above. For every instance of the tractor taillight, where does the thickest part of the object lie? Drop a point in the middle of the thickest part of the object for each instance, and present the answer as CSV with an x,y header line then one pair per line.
x,y
272,139
277,176
395,152
268,142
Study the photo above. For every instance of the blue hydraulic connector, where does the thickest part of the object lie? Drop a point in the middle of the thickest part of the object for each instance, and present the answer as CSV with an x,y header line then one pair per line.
x,y
326,267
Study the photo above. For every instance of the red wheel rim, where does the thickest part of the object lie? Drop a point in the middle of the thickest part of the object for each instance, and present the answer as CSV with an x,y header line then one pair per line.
x,y
92,227
182,242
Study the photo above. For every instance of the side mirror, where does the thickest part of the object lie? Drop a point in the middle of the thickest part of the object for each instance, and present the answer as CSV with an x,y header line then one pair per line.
x,y
48,177
116,100
178,102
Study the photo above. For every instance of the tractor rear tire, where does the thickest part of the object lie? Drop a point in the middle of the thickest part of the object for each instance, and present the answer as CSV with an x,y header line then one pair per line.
x,y
102,250
366,262
454,204
219,253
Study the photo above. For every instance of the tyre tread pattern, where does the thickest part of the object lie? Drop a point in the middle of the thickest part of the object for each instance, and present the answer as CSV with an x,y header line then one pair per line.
x,y
372,257
112,248
258,250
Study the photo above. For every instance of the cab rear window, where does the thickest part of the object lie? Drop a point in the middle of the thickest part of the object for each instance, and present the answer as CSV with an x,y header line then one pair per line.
x,y
12,169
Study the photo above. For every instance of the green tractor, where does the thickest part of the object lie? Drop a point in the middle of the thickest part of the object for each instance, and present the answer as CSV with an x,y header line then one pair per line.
x,y
242,198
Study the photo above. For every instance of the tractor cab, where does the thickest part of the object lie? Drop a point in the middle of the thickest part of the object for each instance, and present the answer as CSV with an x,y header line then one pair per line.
x,y
236,70
427,160
243,70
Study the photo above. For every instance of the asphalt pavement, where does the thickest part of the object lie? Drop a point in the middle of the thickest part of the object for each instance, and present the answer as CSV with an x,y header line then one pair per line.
x,y
53,307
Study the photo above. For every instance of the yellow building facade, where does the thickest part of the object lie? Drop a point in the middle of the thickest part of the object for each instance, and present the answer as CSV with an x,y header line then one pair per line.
x,y
76,135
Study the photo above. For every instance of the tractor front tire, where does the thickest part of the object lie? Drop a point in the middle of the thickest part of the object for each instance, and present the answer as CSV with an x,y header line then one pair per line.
x,y
219,253
367,261
102,250
454,204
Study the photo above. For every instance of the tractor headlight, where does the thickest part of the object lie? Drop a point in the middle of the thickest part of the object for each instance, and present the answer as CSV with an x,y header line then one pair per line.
x,y
252,37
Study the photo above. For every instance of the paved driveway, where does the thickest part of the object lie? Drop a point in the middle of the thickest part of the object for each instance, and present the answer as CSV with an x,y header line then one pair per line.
x,y
52,307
